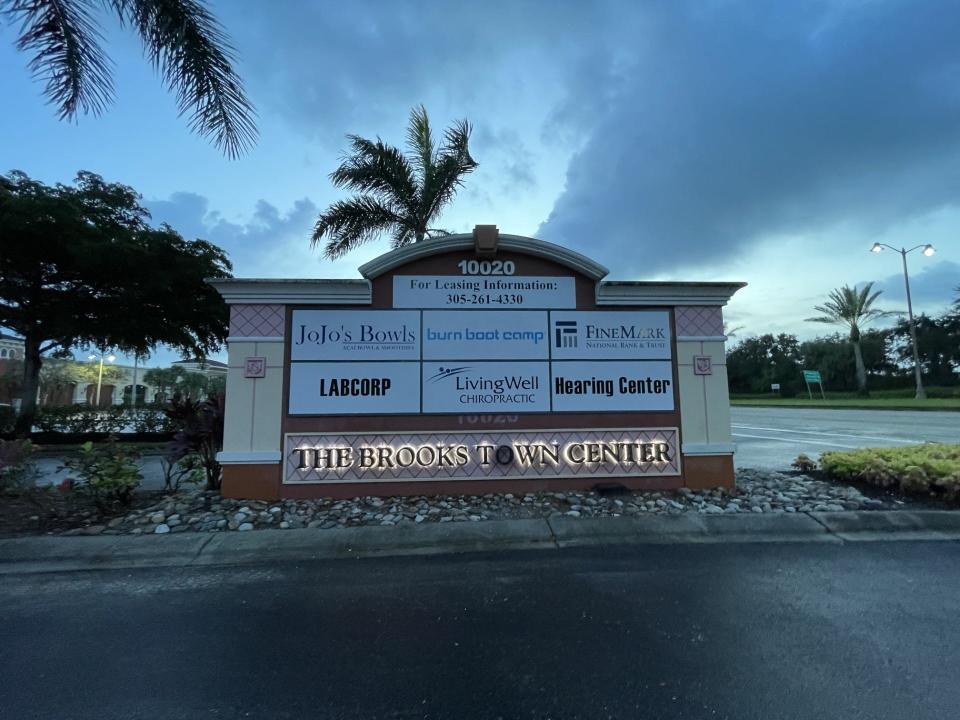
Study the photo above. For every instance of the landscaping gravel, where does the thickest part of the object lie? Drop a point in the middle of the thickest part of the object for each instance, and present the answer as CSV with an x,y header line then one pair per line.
x,y
757,491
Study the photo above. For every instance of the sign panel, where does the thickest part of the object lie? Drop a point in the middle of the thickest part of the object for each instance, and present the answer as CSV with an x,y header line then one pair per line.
x,y
526,454
357,388
639,386
628,335
485,335
486,387
812,376
483,292
354,335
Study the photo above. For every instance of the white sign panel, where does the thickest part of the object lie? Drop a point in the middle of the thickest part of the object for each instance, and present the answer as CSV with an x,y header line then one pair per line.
x,y
355,335
358,388
629,335
485,335
536,454
486,387
483,292
582,386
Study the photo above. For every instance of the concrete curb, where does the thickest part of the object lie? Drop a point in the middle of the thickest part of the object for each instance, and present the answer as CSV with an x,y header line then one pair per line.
x,y
58,554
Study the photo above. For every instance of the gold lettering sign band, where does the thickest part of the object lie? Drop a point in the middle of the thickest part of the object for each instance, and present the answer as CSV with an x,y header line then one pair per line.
x,y
527,454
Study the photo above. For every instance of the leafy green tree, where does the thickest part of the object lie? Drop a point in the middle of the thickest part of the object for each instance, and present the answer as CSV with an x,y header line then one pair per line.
x,y
176,383
831,356
938,346
81,267
400,194
852,308
756,363
181,39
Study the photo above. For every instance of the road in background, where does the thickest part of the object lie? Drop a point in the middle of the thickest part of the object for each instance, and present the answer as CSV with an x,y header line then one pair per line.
x,y
773,437
737,631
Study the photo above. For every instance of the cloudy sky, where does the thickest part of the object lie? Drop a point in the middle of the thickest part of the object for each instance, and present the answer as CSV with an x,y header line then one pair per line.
x,y
771,143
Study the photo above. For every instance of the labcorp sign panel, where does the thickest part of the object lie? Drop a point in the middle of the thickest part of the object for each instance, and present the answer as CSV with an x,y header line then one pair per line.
x,y
485,335
486,387
626,335
475,292
528,454
358,388
355,334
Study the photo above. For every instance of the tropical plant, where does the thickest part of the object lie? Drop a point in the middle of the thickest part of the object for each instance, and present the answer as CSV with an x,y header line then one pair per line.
x,y
181,39
398,193
200,434
107,473
852,308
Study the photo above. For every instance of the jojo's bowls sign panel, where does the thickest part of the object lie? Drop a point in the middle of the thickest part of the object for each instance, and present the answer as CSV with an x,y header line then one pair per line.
x,y
527,454
355,335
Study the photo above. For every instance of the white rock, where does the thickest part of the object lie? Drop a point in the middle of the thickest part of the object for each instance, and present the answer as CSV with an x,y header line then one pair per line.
x,y
161,529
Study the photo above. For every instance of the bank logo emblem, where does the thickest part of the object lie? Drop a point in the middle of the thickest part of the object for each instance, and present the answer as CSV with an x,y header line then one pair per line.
x,y
565,333
444,373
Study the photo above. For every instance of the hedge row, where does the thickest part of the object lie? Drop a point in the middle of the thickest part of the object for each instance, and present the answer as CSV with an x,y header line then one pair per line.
x,y
932,468
83,419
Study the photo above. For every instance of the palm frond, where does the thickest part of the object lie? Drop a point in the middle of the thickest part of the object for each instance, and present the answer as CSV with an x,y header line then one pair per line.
x,y
453,162
66,53
189,48
348,223
378,168
420,142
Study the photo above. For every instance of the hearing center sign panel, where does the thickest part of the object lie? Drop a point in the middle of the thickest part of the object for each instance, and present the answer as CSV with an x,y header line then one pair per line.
x,y
384,362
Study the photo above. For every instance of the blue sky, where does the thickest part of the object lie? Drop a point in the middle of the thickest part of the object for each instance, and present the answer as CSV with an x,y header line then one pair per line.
x,y
766,142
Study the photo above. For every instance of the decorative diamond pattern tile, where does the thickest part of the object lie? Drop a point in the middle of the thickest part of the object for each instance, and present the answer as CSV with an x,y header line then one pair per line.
x,y
256,321
699,321
422,449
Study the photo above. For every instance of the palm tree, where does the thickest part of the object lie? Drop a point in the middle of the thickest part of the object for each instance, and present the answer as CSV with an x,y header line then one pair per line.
x,y
853,308
181,39
400,194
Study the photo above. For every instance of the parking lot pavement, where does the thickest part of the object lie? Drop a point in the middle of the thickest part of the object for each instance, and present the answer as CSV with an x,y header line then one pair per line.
x,y
773,437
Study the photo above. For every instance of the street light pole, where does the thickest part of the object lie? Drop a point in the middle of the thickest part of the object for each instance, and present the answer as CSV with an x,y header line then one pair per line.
x,y
928,250
110,358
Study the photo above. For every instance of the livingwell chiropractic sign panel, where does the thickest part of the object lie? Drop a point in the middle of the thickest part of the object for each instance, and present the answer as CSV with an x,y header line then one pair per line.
x,y
346,362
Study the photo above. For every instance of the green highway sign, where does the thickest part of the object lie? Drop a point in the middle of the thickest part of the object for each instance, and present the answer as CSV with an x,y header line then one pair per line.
x,y
812,376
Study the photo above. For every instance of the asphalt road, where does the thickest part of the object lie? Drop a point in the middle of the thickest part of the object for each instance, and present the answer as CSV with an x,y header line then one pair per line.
x,y
733,631
773,437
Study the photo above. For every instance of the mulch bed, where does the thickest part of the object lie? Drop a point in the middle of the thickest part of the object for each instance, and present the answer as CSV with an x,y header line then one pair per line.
x,y
40,511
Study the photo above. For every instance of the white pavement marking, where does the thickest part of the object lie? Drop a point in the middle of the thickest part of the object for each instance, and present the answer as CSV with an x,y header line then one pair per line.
x,y
796,440
829,434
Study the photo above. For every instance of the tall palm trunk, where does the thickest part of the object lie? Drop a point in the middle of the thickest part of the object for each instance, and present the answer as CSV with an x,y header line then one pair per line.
x,y
861,369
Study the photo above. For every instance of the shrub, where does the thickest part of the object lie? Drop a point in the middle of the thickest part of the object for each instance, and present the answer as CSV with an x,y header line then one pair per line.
x,y
187,470
18,470
117,418
106,473
8,418
200,433
932,468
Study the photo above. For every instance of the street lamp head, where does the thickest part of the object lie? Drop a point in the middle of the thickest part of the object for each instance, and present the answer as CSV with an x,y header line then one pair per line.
x,y
928,250
877,247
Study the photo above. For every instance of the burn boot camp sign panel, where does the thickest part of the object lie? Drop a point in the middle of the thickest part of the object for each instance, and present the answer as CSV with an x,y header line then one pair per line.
x,y
389,362
366,457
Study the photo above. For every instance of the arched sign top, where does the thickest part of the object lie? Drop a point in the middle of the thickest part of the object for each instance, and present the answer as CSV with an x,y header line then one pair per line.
x,y
515,243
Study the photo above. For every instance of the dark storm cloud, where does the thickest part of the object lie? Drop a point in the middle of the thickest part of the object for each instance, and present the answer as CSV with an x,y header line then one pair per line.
x,y
935,285
727,122
251,245
336,67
